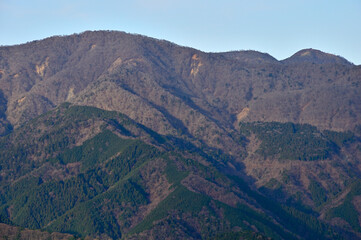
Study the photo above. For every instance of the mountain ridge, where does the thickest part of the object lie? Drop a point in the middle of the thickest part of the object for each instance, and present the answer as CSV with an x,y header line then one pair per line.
x,y
231,52
172,60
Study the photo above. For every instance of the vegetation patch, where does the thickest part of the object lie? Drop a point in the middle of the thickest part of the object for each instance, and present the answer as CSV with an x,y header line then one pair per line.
x,y
295,141
318,193
347,210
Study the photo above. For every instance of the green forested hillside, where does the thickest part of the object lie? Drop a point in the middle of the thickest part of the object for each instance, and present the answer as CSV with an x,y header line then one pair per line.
x,y
296,141
90,172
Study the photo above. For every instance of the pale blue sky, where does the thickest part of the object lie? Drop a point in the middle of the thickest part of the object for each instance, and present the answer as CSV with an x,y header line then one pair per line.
x,y
278,27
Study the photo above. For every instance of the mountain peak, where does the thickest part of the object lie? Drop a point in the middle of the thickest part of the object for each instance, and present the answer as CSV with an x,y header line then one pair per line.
x,y
315,56
250,56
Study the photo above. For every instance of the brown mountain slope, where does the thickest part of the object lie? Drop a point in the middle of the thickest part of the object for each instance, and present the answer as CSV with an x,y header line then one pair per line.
x,y
40,75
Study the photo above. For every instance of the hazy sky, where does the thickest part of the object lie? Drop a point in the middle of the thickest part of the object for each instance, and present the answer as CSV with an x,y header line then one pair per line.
x,y
278,27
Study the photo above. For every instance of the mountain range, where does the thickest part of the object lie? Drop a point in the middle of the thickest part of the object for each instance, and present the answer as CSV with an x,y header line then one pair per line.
x,y
111,135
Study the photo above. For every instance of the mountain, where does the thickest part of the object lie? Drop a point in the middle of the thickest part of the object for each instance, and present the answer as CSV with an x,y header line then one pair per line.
x,y
316,57
112,135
